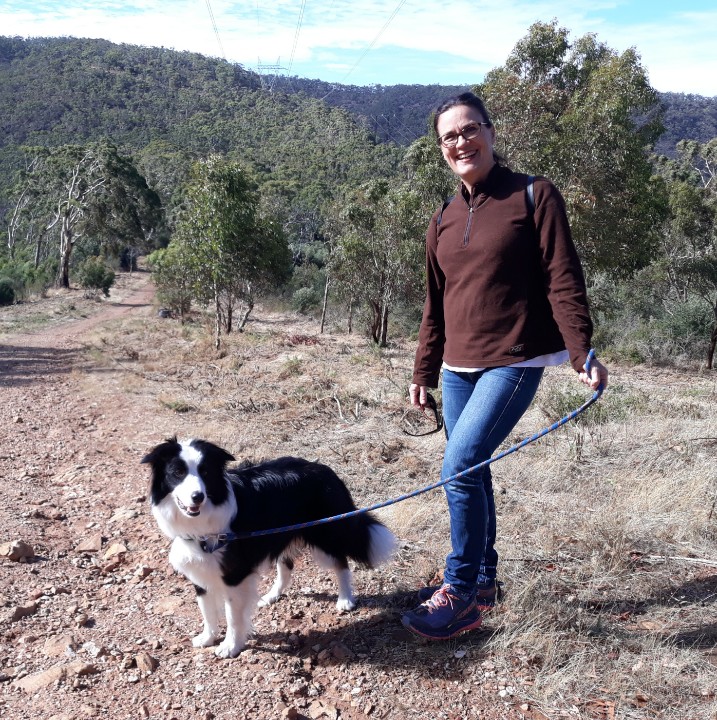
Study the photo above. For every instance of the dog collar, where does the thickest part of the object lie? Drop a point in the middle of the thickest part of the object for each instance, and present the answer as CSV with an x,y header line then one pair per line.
x,y
212,543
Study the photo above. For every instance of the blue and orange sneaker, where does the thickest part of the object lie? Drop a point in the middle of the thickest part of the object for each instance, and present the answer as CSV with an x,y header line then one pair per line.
x,y
486,595
444,615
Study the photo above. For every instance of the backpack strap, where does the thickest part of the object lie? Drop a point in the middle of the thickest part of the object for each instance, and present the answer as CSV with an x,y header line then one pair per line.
x,y
446,203
530,193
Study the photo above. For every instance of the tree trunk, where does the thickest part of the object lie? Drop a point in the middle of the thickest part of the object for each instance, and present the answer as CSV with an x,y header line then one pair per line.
x,y
38,250
66,243
375,322
245,317
384,326
229,315
350,318
713,343
323,306
217,320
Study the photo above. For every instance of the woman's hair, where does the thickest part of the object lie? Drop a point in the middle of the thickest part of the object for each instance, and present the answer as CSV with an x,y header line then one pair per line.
x,y
470,100
466,98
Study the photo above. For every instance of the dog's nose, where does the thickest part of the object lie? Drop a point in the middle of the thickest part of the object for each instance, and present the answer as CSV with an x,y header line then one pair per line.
x,y
197,498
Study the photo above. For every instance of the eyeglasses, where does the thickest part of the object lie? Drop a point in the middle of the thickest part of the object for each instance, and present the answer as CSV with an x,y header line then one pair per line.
x,y
450,139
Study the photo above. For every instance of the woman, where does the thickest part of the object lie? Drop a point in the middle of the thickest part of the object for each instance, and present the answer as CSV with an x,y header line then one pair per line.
x,y
505,298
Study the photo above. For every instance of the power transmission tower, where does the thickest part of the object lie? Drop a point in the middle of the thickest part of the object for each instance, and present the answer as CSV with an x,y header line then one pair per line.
x,y
273,69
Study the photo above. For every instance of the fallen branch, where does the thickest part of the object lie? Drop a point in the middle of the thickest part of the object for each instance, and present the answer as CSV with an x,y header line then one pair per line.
x,y
341,415
680,558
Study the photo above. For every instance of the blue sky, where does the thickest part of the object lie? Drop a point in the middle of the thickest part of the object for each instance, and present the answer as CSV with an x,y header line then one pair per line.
x,y
363,42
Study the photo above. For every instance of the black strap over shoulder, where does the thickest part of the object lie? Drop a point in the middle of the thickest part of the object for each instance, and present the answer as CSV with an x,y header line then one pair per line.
x,y
530,193
446,203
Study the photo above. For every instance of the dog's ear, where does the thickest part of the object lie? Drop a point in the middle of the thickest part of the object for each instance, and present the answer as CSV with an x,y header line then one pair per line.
x,y
208,449
161,452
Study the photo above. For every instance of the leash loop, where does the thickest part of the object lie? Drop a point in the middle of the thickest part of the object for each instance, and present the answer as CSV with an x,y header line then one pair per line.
x,y
570,416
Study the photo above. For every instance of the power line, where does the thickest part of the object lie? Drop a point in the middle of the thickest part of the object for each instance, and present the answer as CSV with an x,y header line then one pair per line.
x,y
370,47
296,34
216,30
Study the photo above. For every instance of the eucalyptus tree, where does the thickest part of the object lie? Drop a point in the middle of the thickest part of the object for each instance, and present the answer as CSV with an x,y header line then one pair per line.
x,y
229,249
688,263
378,250
75,193
585,116
428,172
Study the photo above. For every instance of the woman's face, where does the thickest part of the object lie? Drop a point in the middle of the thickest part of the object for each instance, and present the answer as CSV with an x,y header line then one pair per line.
x,y
472,159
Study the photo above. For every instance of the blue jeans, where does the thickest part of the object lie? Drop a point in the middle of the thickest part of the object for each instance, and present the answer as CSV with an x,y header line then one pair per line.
x,y
479,409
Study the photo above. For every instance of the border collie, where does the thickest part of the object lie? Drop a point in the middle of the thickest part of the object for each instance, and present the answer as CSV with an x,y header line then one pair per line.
x,y
207,508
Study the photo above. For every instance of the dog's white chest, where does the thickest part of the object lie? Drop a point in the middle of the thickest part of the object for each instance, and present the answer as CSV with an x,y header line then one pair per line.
x,y
199,567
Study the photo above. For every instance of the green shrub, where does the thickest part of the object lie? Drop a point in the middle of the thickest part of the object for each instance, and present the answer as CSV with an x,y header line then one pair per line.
x,y
172,280
7,292
617,405
94,275
305,299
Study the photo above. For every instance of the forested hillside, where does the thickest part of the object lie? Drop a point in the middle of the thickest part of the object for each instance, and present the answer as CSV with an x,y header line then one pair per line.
x,y
397,113
61,90
69,91
687,117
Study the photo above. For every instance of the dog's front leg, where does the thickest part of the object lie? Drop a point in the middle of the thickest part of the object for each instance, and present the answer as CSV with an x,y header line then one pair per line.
x,y
209,607
239,604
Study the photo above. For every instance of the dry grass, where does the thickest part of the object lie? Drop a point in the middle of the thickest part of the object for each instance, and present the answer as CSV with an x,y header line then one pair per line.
x,y
606,527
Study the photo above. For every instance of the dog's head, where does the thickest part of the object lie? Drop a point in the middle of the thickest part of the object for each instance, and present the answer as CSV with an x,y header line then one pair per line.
x,y
188,480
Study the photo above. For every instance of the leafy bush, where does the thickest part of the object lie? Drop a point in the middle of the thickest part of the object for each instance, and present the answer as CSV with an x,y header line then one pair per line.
x,y
26,278
636,323
618,405
172,279
305,299
7,292
94,275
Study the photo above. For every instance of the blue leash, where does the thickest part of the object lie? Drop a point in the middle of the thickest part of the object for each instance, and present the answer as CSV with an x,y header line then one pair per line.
x,y
228,537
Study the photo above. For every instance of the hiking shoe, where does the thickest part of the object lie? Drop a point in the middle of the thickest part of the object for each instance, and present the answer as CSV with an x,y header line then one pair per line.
x,y
486,596
444,615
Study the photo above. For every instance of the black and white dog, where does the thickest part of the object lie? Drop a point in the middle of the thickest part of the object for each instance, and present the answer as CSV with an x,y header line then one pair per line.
x,y
203,506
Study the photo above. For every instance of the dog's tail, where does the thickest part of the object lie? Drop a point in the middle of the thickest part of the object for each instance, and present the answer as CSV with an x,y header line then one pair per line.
x,y
382,543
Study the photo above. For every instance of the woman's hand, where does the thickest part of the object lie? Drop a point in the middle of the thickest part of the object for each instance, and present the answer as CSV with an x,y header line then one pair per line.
x,y
418,396
598,375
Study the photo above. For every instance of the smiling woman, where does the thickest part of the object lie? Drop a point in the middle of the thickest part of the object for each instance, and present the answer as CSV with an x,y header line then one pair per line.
x,y
505,299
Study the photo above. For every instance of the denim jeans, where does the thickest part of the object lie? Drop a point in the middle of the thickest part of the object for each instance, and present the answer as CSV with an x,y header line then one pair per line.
x,y
479,409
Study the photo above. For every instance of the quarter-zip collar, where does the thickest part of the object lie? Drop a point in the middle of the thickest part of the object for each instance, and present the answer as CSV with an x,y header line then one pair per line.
x,y
479,195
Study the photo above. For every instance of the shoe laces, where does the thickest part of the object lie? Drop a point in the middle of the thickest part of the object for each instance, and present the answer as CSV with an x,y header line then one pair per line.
x,y
441,598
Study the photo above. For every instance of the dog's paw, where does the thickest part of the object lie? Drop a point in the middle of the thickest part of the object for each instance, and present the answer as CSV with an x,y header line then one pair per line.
x,y
228,649
345,604
268,599
205,639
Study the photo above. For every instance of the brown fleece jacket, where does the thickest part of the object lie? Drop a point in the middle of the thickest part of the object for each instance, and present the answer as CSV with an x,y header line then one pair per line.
x,y
504,284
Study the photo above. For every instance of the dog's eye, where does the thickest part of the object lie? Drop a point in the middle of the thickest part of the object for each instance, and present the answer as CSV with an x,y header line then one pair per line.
x,y
177,470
